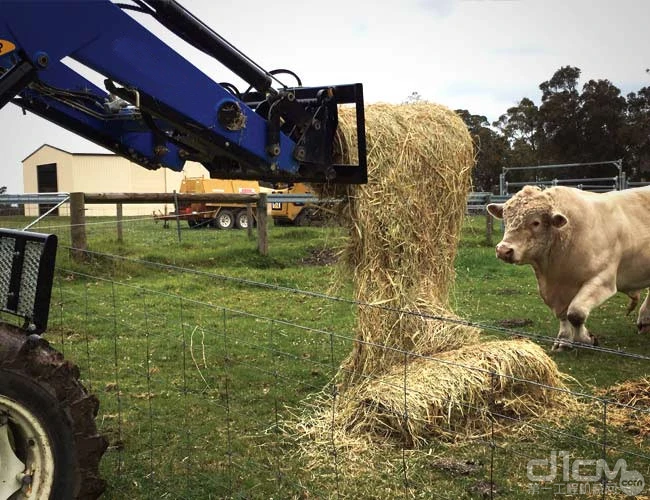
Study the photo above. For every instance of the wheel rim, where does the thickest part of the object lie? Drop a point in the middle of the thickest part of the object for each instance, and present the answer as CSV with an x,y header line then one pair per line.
x,y
26,459
225,220
243,221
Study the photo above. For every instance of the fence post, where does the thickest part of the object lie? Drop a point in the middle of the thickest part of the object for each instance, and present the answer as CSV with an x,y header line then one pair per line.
x,y
119,223
489,227
249,214
78,226
178,220
262,227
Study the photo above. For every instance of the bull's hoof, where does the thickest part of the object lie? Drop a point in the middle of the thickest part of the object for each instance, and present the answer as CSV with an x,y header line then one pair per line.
x,y
643,327
594,340
559,346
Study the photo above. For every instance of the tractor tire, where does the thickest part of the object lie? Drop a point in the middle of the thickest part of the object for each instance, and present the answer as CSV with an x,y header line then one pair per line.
x,y
225,219
49,446
303,219
241,220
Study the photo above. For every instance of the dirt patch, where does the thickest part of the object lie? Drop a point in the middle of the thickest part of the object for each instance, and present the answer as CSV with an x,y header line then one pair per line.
x,y
483,489
456,467
320,257
515,322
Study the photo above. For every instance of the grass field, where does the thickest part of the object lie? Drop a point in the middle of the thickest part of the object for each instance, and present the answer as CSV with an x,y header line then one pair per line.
x,y
202,350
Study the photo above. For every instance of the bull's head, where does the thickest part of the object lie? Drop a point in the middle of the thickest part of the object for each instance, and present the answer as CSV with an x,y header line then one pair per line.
x,y
531,222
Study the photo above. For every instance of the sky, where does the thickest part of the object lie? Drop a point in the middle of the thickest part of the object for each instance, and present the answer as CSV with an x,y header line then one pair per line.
x,y
480,55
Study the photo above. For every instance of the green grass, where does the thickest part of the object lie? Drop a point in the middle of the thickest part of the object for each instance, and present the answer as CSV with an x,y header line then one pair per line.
x,y
197,368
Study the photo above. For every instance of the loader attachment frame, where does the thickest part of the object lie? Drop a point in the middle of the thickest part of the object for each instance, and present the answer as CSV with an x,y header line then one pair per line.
x,y
26,273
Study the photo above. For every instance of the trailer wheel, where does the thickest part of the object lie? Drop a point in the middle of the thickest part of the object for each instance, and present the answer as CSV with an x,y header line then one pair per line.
x,y
303,218
225,219
241,220
49,447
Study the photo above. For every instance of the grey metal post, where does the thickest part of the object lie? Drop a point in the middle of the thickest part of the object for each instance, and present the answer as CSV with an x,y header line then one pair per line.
x,y
621,174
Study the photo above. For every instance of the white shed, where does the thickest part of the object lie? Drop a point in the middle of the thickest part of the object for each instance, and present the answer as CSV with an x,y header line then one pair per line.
x,y
50,169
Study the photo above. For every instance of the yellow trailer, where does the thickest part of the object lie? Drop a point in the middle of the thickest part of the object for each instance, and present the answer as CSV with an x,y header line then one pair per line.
x,y
219,215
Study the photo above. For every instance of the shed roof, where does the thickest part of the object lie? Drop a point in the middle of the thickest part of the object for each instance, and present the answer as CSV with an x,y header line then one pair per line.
x,y
63,151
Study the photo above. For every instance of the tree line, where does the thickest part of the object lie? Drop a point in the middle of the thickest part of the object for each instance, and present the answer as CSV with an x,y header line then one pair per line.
x,y
593,124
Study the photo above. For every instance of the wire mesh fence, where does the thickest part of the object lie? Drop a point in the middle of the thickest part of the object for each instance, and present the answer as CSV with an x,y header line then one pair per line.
x,y
211,386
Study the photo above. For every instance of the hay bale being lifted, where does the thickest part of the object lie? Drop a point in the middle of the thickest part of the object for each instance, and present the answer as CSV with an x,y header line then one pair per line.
x,y
411,377
405,226
404,230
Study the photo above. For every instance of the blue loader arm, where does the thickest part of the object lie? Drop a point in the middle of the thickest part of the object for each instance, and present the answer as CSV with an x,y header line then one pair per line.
x,y
159,110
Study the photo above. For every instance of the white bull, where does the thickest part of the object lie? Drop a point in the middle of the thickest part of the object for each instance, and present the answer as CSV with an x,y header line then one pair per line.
x,y
584,247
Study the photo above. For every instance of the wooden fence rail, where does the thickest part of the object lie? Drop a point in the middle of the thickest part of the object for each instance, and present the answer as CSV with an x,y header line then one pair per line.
x,y
78,202
476,203
113,198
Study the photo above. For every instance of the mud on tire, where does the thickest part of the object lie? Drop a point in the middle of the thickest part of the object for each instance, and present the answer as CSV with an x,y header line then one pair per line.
x,y
39,387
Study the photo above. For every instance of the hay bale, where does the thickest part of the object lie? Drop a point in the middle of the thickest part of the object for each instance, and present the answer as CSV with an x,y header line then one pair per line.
x,y
404,229
629,407
457,393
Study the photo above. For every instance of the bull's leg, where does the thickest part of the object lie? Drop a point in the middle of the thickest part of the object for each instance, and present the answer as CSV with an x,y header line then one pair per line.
x,y
643,321
570,333
564,337
591,295
634,300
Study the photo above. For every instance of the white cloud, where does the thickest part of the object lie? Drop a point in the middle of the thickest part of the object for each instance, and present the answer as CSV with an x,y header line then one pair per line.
x,y
441,8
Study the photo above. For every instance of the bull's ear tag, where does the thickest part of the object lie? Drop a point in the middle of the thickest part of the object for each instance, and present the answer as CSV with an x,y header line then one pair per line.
x,y
495,210
558,220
